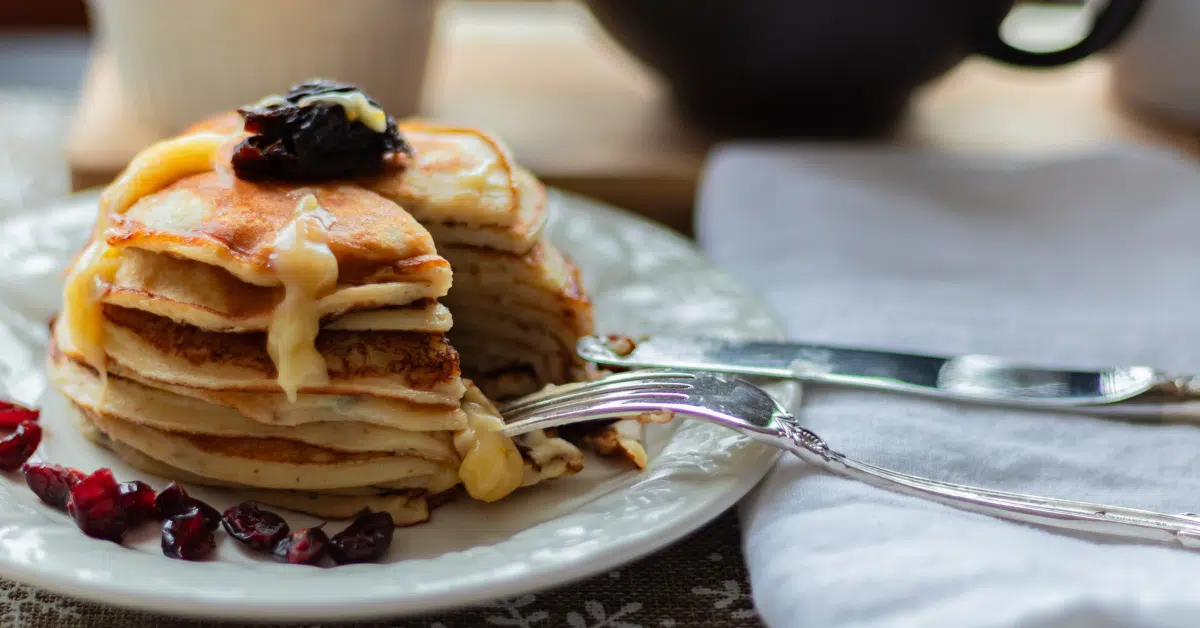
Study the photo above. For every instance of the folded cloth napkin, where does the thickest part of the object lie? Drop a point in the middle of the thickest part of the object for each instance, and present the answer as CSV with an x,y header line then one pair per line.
x,y
1088,259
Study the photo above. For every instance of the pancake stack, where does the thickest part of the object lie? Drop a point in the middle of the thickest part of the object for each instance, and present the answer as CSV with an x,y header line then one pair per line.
x,y
518,301
293,340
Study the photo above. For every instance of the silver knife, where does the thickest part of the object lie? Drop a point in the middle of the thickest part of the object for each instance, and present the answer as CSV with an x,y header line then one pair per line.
x,y
1134,391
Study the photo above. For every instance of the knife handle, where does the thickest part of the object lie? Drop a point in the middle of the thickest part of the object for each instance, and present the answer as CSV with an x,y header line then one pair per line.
x,y
972,378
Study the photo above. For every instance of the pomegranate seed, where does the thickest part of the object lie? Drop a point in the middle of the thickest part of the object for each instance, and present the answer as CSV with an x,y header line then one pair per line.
x,y
13,414
305,546
174,500
188,536
137,498
259,529
94,503
364,540
17,447
51,482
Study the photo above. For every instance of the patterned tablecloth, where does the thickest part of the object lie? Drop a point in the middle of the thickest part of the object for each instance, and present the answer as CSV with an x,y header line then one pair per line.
x,y
700,581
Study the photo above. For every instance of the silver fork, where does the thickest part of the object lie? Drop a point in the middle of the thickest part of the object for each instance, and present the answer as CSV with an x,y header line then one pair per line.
x,y
734,403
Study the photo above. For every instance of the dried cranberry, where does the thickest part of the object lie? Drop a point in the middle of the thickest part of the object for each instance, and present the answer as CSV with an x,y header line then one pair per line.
x,y
174,500
364,540
312,142
94,503
188,536
137,498
13,414
303,547
51,482
17,447
257,528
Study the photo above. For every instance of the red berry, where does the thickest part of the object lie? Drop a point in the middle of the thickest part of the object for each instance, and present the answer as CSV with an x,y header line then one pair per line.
x,y
51,482
13,414
94,502
364,540
260,529
137,498
17,447
188,536
303,547
174,500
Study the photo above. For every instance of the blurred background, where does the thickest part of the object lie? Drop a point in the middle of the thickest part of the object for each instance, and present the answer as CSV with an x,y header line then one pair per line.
x,y
617,99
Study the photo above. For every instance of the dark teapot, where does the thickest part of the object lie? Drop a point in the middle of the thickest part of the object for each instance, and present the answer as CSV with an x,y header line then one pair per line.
x,y
820,67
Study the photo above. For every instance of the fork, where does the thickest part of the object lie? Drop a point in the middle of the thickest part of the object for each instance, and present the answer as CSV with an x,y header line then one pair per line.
x,y
660,395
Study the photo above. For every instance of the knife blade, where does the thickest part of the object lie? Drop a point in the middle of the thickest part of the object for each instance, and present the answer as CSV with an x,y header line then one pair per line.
x,y
979,378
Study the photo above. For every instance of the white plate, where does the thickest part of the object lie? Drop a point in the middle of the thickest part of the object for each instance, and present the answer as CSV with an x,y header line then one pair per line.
x,y
643,279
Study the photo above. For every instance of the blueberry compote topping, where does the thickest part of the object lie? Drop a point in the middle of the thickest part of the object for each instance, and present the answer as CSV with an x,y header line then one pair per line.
x,y
305,135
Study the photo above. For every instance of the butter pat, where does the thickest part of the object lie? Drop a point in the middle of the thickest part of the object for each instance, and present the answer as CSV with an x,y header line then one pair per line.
x,y
492,466
356,106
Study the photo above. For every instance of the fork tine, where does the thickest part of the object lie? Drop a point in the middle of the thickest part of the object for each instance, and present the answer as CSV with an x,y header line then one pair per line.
x,y
623,381
589,411
612,399
591,392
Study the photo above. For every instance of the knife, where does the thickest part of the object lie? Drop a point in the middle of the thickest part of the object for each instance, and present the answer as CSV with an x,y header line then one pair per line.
x,y
1134,391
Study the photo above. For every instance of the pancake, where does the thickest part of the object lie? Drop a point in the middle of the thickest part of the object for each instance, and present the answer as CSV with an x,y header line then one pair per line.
x,y
264,462
136,403
276,409
212,298
403,365
531,211
224,221
407,506
464,176
426,315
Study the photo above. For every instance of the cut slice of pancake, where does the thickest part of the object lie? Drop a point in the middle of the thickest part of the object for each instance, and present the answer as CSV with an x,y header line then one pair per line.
x,y
422,368
517,318
463,185
532,210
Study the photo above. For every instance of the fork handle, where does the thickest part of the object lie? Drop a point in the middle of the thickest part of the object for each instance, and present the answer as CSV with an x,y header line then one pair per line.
x,y
1058,513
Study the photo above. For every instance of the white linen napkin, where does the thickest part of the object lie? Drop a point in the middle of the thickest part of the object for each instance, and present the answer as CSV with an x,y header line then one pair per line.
x,y
1087,259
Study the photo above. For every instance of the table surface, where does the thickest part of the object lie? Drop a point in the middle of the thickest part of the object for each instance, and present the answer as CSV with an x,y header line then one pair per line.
x,y
979,107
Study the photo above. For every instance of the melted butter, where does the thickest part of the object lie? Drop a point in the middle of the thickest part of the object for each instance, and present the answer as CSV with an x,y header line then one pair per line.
x,y
303,262
477,177
274,100
492,466
356,106
480,177
157,167
82,309
151,170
